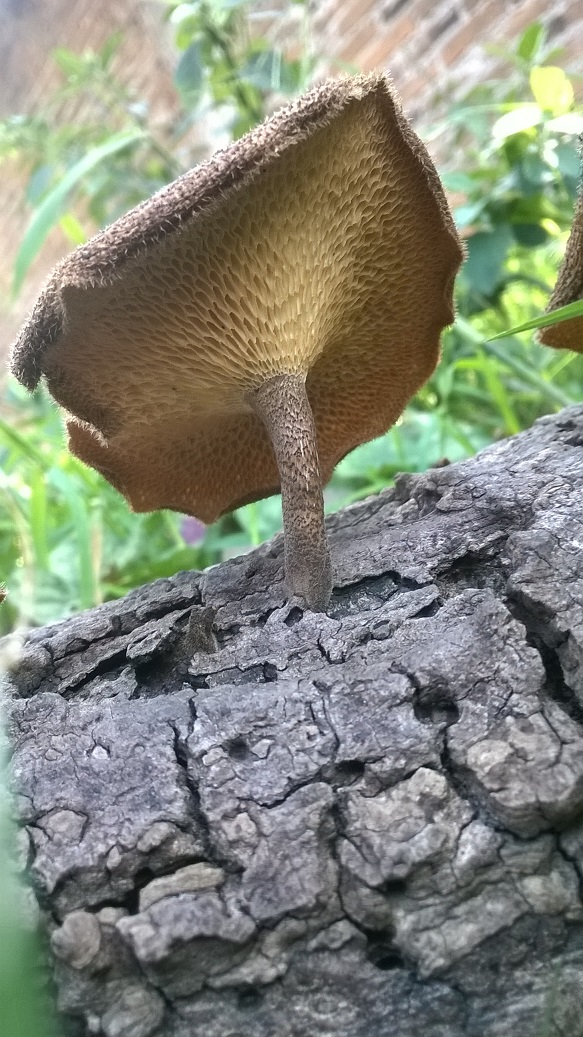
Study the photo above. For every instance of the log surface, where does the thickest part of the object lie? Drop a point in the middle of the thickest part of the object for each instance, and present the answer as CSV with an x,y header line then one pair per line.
x,y
246,820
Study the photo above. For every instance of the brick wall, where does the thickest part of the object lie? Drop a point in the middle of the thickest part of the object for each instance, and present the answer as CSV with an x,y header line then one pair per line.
x,y
435,48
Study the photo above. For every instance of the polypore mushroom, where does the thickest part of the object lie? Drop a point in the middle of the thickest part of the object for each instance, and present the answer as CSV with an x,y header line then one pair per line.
x,y
251,323
569,288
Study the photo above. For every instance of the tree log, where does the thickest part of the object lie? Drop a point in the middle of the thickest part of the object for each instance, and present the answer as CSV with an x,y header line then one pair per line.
x,y
249,820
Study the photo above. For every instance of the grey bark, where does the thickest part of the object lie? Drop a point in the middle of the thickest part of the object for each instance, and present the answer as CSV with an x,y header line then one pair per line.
x,y
247,820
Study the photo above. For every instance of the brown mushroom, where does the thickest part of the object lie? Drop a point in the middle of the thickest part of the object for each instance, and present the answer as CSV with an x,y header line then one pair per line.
x,y
257,319
569,288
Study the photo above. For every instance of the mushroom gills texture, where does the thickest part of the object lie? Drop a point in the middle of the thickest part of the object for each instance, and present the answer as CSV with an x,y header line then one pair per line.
x,y
282,405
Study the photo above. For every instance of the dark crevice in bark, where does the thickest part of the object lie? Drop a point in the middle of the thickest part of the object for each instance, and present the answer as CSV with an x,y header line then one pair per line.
x,y
153,610
555,686
429,610
573,859
198,682
238,748
327,656
464,782
294,615
435,706
110,668
541,637
249,997
226,634
370,593
159,678
78,645
200,820
346,772
258,673
382,952
476,570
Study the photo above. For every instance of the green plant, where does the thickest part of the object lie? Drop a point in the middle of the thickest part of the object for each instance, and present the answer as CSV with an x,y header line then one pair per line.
x,y
518,184
520,171
227,68
572,309
67,539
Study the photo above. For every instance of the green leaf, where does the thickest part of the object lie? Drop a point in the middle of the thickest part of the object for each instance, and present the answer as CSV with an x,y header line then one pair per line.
x,y
569,123
497,390
530,41
49,212
534,173
263,70
15,440
487,251
182,12
38,518
70,64
71,227
189,74
38,182
109,49
294,76
521,118
552,89
547,390
467,215
78,510
454,181
530,234
568,159
572,309
227,5
24,1007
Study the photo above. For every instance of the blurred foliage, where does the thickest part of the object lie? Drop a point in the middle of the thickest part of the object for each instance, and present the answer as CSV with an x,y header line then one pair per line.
x,y
224,65
67,539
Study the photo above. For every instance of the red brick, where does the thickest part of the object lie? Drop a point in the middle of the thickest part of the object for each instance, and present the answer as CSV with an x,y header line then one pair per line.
x,y
412,89
351,14
523,16
386,43
481,28
422,8
357,42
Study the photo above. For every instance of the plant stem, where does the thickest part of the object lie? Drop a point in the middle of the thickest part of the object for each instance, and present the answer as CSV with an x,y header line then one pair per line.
x,y
283,406
220,40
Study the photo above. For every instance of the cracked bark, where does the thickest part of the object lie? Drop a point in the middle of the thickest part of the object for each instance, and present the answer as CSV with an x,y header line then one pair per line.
x,y
246,819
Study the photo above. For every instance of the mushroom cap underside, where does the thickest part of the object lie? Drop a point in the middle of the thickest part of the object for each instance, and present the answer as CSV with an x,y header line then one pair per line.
x,y
569,288
335,259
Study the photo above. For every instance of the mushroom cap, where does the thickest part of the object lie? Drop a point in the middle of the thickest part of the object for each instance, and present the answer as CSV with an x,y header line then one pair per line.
x,y
319,244
569,288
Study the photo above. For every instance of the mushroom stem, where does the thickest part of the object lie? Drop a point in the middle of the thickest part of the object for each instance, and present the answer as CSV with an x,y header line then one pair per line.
x,y
283,406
